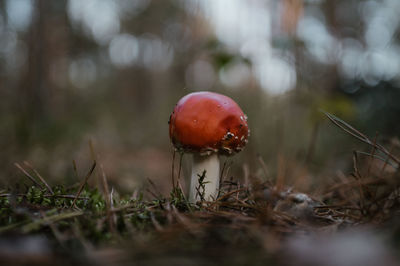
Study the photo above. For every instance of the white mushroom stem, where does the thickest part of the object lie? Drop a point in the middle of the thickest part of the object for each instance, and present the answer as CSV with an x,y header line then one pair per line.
x,y
208,188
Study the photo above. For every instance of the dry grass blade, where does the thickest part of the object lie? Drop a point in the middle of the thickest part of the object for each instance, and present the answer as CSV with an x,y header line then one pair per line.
x,y
352,184
358,135
221,176
347,128
75,169
157,194
228,194
57,234
344,207
371,157
385,160
50,219
83,183
45,196
39,176
173,169
28,175
156,224
79,235
183,220
263,166
225,171
109,201
180,165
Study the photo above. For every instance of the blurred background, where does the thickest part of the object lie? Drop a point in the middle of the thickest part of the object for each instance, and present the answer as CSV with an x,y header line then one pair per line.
x,y
110,72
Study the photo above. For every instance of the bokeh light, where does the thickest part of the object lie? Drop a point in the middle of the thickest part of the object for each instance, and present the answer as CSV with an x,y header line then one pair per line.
x,y
19,13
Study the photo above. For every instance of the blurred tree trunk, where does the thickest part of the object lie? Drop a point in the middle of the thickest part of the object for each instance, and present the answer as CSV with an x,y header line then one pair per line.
x,y
332,79
33,85
36,75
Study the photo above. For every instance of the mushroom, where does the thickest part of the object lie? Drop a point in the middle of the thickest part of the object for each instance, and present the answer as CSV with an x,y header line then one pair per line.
x,y
207,124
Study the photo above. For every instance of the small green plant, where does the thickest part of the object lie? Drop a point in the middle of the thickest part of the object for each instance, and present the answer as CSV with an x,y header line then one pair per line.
x,y
178,199
201,188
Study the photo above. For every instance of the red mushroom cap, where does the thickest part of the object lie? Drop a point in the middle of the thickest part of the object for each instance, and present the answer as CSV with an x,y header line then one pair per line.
x,y
207,122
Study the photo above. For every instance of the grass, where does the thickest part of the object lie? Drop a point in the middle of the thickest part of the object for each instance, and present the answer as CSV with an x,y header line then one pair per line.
x,y
252,222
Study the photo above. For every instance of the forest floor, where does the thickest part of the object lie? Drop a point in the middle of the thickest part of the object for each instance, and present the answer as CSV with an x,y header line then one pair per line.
x,y
252,222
